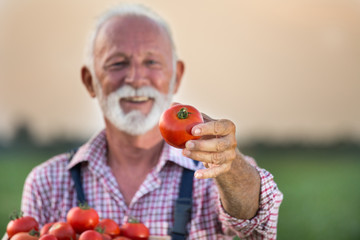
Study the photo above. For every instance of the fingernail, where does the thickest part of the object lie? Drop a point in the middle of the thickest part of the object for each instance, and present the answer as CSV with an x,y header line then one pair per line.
x,y
186,152
197,131
190,145
198,175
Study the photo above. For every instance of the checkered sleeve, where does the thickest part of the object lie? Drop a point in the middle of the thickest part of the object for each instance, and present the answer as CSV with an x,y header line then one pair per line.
x,y
264,224
38,193
32,199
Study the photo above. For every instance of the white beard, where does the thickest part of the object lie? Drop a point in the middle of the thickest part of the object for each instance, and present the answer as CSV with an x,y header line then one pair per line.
x,y
134,122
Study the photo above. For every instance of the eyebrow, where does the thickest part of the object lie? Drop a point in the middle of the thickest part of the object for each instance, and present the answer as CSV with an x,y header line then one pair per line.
x,y
149,53
119,54
155,54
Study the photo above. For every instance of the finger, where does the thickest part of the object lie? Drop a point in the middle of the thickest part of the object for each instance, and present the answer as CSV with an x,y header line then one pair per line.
x,y
211,157
213,171
207,118
212,144
174,103
220,127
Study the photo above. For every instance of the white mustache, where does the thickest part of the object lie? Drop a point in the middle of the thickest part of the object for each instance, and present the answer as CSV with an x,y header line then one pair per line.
x,y
129,91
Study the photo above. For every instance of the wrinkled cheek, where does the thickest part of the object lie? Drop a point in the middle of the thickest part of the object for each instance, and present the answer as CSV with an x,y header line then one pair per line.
x,y
113,81
161,83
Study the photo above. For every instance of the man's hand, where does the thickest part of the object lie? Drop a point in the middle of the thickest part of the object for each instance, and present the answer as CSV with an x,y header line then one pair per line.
x,y
217,147
238,182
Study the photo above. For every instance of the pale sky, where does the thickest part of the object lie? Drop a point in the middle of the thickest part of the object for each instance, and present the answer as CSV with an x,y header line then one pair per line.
x,y
279,69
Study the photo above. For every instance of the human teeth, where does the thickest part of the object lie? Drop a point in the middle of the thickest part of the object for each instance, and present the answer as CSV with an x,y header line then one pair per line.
x,y
137,99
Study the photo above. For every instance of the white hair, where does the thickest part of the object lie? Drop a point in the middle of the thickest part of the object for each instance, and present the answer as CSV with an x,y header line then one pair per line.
x,y
121,11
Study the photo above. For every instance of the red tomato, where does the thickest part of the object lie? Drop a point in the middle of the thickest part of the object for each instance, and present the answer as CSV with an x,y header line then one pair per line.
x,y
20,223
24,236
135,230
48,236
45,228
176,123
62,231
106,236
121,238
109,226
82,218
91,235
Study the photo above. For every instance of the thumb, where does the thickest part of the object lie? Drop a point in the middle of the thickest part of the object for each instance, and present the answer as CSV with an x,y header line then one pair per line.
x,y
207,118
174,103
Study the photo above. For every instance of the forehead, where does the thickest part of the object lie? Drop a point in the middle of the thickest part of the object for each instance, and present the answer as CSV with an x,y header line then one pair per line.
x,y
128,33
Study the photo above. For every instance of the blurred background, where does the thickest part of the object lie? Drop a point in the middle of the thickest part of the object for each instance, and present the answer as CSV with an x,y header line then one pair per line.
x,y
286,72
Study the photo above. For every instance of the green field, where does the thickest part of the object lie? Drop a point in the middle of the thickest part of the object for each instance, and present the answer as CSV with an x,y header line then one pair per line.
x,y
321,189
14,167
321,192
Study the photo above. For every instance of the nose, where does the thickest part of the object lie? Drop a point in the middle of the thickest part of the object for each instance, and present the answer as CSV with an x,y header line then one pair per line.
x,y
136,76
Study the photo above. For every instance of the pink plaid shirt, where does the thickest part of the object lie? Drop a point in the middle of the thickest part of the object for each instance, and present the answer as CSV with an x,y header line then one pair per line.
x,y
49,194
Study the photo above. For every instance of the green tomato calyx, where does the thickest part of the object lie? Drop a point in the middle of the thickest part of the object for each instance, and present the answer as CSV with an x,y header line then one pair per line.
x,y
183,113
133,220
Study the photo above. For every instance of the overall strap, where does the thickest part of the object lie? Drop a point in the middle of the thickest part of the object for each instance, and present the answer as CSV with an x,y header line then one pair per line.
x,y
75,173
183,204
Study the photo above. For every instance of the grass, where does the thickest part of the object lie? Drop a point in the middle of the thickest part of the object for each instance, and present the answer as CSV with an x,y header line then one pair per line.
x,y
320,187
321,193
14,168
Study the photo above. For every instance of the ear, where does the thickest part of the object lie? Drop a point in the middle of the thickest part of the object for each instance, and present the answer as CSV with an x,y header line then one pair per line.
x,y
180,68
87,80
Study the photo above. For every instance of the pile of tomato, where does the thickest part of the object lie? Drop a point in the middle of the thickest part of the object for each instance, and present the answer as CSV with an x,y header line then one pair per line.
x,y
82,223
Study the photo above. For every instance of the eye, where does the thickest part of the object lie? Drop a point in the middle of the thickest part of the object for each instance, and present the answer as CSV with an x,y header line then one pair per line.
x,y
151,62
117,65
120,63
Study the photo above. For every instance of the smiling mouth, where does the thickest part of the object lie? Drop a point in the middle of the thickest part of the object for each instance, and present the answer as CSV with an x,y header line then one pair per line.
x,y
137,99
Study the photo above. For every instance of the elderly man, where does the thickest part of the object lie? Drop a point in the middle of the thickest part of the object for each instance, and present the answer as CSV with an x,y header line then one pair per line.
x,y
128,170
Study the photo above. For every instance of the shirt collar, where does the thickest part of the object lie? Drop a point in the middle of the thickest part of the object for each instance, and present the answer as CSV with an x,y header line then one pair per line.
x,y
92,151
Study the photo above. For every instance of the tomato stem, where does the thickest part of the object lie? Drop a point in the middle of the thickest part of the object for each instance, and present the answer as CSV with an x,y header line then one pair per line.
x,y
100,229
34,233
84,206
16,215
132,220
183,113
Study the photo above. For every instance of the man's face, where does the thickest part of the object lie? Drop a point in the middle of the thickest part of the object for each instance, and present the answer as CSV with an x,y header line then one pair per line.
x,y
134,68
